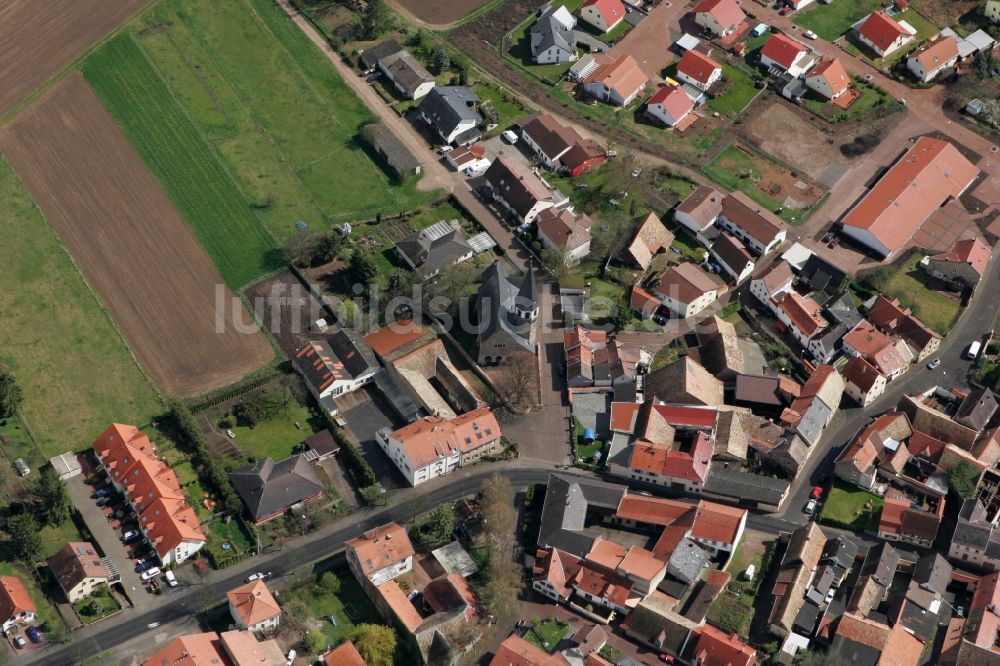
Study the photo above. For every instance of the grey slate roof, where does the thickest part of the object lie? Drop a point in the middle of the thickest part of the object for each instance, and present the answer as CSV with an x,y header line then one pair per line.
x,y
498,296
387,144
881,563
840,553
447,106
821,275
932,572
687,560
739,485
405,71
840,308
371,55
565,511
353,351
430,250
813,421
269,487
977,409
548,32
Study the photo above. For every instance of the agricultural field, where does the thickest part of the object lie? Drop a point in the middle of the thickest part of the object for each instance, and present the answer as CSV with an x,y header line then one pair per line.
x,y
291,146
183,162
47,305
445,12
37,40
131,245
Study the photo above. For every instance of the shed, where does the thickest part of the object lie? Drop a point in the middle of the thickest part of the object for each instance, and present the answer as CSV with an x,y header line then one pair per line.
x,y
687,42
323,444
974,107
22,467
760,29
453,558
66,465
397,156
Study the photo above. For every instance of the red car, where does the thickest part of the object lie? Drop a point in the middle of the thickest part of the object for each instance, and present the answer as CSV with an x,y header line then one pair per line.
x,y
784,11
816,493
666,658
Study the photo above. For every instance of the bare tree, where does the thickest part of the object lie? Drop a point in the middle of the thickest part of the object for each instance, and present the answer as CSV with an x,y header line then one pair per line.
x,y
515,382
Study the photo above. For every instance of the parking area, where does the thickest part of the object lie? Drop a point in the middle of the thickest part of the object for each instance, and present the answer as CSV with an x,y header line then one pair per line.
x,y
105,527
369,413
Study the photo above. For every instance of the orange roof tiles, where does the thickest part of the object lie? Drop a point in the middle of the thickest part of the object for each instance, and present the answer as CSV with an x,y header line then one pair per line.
x,y
698,66
937,53
862,452
726,12
714,647
394,336
877,347
892,513
717,522
804,313
611,11
556,567
168,522
14,598
833,72
190,650
970,251
253,602
664,460
902,648
643,301
862,630
622,75
515,651
652,510
401,606
861,373
881,30
641,563
987,592
432,437
930,173
606,554
381,547
623,416
345,654
783,50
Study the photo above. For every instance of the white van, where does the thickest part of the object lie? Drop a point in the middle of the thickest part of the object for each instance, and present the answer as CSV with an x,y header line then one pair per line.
x,y
973,350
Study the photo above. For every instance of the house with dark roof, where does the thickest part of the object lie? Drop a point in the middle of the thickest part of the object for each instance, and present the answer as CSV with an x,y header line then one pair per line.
x,y
875,578
518,189
507,309
963,265
80,571
910,519
733,257
337,365
795,575
269,489
451,112
410,78
732,484
768,393
891,318
547,138
566,234
978,408
686,290
758,228
369,57
930,174
397,156
430,250
863,382
551,37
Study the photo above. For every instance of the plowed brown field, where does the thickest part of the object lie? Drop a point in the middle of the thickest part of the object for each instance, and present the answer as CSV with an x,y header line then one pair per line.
x,y
37,39
156,281
440,12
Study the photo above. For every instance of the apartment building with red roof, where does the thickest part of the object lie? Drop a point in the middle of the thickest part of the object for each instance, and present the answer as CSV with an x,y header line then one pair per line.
x,y
784,53
617,81
672,107
698,69
933,58
862,381
380,554
165,519
963,265
16,605
930,174
883,34
434,446
253,607
829,78
604,15
720,17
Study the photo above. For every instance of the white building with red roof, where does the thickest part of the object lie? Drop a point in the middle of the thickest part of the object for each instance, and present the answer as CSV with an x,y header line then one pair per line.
x,y
253,607
604,15
698,69
720,17
964,264
884,34
786,54
380,554
829,78
933,58
862,381
617,81
671,106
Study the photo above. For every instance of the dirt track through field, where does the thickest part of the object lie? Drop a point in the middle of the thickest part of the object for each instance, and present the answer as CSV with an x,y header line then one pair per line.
x,y
130,243
37,39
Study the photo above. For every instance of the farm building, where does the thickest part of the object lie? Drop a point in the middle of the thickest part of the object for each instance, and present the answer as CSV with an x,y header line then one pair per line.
x,y
397,156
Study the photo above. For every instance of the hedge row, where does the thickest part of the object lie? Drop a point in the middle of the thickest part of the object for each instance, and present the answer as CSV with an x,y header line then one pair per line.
x,y
214,470
364,475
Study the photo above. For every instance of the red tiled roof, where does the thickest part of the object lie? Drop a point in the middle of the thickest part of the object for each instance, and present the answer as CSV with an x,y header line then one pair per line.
x,y
401,606
714,647
686,282
698,66
987,592
394,336
893,509
344,654
611,11
641,563
862,451
381,547
674,100
515,651
935,54
190,650
970,251
168,522
803,313
861,373
664,460
687,416
726,12
862,630
783,50
253,602
833,72
881,30
651,510
623,416
717,522
930,172
14,598
433,437
643,301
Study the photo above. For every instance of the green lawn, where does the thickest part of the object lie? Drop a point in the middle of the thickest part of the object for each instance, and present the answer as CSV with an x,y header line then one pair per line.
x,y
926,29
546,634
47,305
219,532
509,108
908,285
725,170
185,164
846,506
872,98
277,436
731,613
740,92
520,47
55,537
830,21
350,607
89,614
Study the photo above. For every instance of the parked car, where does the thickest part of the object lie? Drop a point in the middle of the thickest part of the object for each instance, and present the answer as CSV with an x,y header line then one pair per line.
x,y
973,351
150,574
103,501
935,362
130,535
34,634
510,136
959,611
636,173
19,641
811,507
830,594
255,576
809,34
143,565
170,578
101,492
817,492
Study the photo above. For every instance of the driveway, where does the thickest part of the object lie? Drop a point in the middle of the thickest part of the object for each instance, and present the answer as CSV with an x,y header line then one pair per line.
x,y
370,414
109,542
